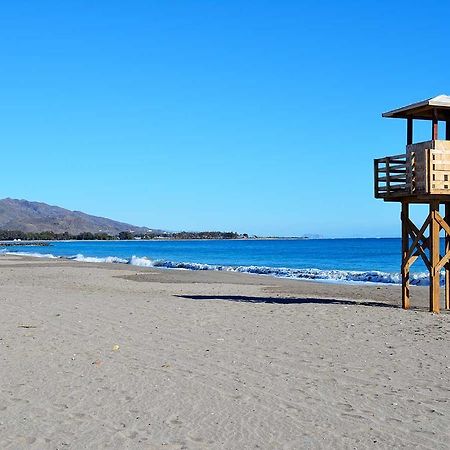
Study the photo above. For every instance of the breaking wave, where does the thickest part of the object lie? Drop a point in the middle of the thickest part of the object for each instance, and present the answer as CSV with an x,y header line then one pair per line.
x,y
341,276
93,259
33,254
417,279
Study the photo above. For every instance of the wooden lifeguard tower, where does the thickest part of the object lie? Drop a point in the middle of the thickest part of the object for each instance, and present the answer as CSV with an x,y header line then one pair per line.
x,y
421,175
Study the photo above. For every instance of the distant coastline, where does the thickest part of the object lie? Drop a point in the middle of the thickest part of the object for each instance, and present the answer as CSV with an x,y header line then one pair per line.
x,y
18,237
24,243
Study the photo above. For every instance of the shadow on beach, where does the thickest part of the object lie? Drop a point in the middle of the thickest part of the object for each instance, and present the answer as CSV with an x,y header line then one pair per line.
x,y
288,300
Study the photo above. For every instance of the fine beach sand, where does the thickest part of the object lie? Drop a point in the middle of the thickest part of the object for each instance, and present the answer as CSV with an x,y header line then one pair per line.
x,y
114,356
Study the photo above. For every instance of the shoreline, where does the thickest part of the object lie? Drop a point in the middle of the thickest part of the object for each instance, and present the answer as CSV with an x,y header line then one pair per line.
x,y
371,291
333,276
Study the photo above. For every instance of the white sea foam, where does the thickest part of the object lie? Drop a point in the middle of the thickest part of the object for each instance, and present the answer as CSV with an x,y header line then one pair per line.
x,y
33,254
303,274
341,276
140,261
106,259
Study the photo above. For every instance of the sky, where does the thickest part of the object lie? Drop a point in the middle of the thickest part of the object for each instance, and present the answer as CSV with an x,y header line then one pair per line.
x,y
260,117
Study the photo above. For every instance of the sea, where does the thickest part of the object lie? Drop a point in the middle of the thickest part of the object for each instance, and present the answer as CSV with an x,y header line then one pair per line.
x,y
324,260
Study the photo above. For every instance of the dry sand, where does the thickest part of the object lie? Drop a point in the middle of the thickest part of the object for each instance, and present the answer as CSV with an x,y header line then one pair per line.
x,y
114,356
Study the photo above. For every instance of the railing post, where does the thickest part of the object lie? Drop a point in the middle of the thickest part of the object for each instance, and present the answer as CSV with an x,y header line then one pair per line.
x,y
388,179
375,178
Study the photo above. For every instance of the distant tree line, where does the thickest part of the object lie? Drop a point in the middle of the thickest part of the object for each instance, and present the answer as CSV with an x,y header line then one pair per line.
x,y
193,235
10,235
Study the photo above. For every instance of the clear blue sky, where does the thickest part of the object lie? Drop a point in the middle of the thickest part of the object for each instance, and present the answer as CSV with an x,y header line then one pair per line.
x,y
259,116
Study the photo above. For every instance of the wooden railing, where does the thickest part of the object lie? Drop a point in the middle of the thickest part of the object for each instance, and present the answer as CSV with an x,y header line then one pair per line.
x,y
422,171
393,176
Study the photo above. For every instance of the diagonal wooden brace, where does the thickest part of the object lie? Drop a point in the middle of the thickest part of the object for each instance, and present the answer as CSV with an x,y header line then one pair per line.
x,y
414,231
421,246
442,223
445,259
419,236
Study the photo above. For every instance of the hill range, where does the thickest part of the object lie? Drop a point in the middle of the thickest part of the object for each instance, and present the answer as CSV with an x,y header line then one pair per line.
x,y
29,216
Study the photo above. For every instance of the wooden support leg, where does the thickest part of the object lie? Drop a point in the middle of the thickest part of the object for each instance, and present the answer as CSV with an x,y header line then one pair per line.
x,y
447,266
405,262
434,259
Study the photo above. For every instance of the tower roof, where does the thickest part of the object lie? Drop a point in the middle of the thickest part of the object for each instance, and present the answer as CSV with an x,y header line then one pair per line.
x,y
424,109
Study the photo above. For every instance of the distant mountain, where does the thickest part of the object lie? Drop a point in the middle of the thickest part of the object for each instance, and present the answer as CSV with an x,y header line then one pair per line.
x,y
35,216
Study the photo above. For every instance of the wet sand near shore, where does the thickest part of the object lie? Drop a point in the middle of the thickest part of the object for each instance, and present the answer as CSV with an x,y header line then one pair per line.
x,y
116,356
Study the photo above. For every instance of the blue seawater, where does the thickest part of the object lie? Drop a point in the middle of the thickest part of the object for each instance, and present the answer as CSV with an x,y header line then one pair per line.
x,y
335,260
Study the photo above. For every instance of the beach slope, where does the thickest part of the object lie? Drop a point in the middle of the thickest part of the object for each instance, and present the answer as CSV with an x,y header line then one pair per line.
x,y
115,356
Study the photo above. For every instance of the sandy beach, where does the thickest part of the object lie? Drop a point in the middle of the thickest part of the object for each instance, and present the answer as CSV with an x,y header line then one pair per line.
x,y
114,356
